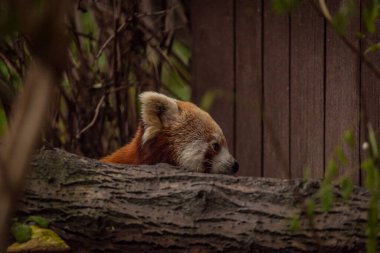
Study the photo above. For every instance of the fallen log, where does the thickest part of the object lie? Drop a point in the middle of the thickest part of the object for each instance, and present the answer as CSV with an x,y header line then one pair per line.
x,y
97,207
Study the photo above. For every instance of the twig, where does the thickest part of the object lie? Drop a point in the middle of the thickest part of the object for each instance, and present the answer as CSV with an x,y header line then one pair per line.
x,y
178,71
98,109
323,10
156,13
168,61
105,44
326,14
93,119
11,65
162,85
81,34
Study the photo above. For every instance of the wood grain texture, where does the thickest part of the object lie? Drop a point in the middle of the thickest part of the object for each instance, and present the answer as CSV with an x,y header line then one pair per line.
x,y
98,207
213,59
342,94
249,87
276,93
307,91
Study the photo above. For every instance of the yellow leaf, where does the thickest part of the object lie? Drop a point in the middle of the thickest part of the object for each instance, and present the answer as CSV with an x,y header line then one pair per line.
x,y
42,240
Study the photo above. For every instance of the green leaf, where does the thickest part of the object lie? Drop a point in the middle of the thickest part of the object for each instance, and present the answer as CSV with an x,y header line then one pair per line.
x,y
21,232
373,142
372,48
332,171
43,240
208,99
38,220
346,188
102,62
3,122
306,174
295,223
327,197
372,223
368,164
182,51
370,13
349,138
174,82
369,167
371,245
88,22
310,207
4,71
284,6
342,19
88,25
360,35
341,156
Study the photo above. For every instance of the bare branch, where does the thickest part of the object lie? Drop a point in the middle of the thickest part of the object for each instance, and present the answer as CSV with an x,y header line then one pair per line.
x,y
93,119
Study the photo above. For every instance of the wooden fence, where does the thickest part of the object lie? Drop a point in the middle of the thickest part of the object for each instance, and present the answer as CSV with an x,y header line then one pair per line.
x,y
291,86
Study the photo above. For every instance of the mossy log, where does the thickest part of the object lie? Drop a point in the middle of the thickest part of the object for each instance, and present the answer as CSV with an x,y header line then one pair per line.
x,y
97,207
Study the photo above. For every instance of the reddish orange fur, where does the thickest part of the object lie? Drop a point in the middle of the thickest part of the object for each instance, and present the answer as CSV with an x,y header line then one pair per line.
x,y
127,154
161,148
153,152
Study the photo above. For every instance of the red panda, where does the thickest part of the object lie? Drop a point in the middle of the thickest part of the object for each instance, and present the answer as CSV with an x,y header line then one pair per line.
x,y
178,133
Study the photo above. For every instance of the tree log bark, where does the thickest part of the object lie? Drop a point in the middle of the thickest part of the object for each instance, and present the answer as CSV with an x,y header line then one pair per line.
x,y
97,207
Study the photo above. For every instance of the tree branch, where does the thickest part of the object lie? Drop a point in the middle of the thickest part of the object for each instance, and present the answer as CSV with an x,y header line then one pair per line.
x,y
160,208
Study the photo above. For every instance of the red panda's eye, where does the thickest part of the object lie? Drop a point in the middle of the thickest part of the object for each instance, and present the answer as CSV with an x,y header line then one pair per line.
x,y
216,147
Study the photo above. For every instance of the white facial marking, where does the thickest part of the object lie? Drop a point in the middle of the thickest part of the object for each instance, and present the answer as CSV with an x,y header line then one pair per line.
x,y
222,162
192,155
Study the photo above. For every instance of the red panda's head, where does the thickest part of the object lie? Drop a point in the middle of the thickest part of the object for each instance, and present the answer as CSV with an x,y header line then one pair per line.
x,y
184,134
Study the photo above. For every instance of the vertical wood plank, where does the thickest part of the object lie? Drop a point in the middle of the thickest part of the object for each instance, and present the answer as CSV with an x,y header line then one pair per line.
x,y
370,92
342,93
213,59
249,87
307,92
276,93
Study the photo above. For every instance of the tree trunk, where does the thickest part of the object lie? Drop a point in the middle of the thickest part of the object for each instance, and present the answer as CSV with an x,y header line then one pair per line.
x,y
112,208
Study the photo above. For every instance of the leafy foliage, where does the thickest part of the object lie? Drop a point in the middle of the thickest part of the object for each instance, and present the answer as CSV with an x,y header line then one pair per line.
x,y
346,186
295,223
325,197
372,183
117,49
372,48
21,232
38,220
370,14
284,6
341,19
42,240
310,207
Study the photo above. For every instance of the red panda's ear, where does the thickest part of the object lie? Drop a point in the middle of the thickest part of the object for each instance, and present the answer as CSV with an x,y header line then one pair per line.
x,y
157,111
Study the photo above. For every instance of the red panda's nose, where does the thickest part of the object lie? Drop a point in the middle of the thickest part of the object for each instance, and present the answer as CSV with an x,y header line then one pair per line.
x,y
235,167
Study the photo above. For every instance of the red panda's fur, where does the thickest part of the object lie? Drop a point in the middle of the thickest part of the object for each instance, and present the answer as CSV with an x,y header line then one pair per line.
x,y
177,133
127,154
135,153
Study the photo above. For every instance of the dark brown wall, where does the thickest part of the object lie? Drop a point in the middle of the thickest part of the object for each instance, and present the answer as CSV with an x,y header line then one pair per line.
x,y
291,87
